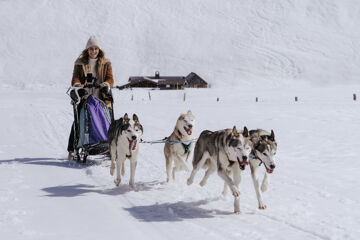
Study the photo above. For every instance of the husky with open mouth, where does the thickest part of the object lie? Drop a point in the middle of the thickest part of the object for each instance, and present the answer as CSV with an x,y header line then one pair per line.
x,y
179,147
123,136
226,151
263,152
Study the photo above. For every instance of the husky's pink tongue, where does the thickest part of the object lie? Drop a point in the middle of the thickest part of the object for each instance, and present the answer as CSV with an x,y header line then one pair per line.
x,y
189,131
132,145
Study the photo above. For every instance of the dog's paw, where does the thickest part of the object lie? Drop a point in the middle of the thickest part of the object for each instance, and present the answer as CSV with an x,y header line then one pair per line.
x,y
117,181
131,184
189,181
235,192
202,183
112,169
262,206
237,212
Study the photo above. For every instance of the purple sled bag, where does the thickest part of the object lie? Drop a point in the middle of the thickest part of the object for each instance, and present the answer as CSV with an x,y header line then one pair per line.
x,y
99,121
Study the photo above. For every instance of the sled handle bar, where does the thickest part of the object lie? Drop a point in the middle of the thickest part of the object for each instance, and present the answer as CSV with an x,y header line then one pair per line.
x,y
76,93
91,85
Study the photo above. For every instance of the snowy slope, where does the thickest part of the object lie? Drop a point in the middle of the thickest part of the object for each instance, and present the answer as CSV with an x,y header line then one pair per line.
x,y
227,42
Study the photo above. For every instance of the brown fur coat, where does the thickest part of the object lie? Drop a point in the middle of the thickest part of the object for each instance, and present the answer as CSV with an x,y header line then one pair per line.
x,y
81,69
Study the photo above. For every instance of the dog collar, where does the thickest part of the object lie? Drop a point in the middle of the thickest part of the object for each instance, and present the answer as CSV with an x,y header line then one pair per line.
x,y
128,156
180,133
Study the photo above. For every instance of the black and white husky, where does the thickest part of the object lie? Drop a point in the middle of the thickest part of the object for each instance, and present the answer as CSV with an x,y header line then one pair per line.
x,y
226,151
177,154
123,136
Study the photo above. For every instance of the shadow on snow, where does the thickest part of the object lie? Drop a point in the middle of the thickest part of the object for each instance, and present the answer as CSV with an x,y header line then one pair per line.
x,y
57,162
178,211
81,189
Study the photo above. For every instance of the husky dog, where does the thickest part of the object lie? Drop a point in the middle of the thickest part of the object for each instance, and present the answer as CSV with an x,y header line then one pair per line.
x,y
225,151
123,136
178,153
263,151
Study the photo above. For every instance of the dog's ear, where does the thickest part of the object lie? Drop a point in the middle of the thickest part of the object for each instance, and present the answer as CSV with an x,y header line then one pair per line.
x,y
245,132
126,118
135,118
189,112
272,136
235,132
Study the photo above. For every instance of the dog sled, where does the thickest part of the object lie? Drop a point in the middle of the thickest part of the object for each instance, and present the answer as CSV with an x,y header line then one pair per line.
x,y
92,118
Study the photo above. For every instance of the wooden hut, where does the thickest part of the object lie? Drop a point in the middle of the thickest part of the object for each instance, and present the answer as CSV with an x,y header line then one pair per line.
x,y
195,81
165,82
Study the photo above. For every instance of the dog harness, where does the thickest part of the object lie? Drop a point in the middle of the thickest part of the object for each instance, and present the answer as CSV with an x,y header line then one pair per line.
x,y
186,147
255,157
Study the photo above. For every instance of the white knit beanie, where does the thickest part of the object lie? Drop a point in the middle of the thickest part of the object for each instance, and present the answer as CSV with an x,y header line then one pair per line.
x,y
93,41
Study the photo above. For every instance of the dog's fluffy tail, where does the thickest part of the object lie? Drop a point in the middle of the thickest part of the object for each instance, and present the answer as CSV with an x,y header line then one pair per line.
x,y
265,183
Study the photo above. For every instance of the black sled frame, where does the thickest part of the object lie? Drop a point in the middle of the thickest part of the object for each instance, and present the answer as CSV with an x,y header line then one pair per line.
x,y
99,148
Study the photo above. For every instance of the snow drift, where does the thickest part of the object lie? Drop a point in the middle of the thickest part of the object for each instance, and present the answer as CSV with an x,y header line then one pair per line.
x,y
228,43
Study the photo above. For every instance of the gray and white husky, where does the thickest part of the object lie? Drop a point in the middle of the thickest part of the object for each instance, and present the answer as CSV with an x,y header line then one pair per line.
x,y
177,154
123,136
263,152
226,151
264,148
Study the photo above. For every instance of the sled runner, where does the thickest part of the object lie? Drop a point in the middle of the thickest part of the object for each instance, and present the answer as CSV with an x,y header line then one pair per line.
x,y
92,118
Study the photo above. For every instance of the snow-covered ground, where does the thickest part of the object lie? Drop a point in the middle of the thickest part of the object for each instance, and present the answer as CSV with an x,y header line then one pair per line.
x,y
313,192
274,50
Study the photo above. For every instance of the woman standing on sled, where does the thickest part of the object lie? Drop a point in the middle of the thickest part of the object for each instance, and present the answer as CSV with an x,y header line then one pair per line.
x,y
91,60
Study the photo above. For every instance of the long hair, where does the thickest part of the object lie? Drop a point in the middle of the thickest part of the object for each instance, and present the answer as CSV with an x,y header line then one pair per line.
x,y
84,57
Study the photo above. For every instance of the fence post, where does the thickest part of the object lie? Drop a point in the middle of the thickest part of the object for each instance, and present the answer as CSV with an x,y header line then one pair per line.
x,y
296,99
184,96
132,97
149,96
256,99
217,99
354,97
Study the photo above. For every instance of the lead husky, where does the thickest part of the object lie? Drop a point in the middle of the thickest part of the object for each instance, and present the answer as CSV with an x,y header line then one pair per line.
x,y
123,136
178,153
263,151
225,151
